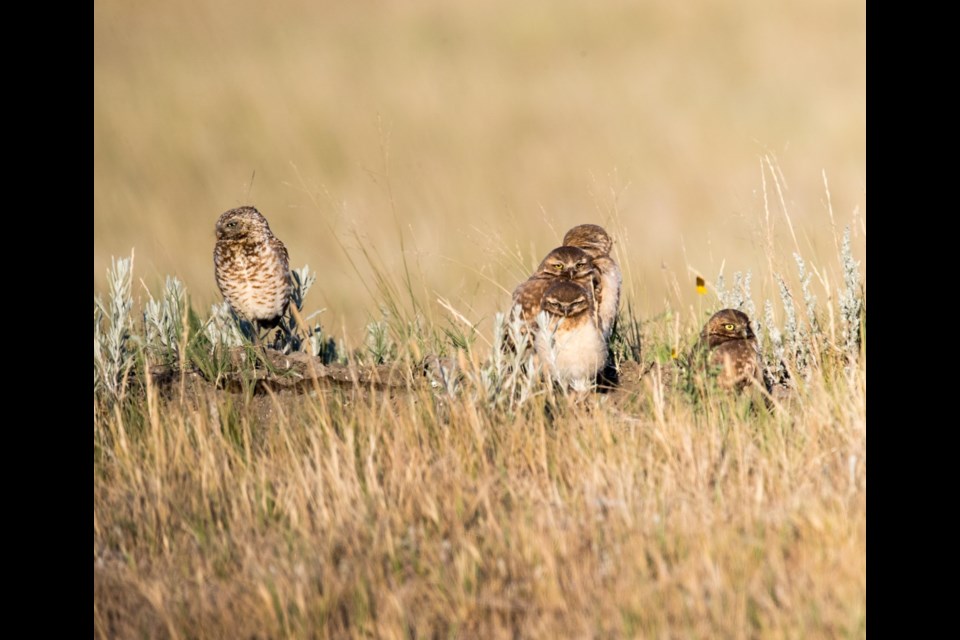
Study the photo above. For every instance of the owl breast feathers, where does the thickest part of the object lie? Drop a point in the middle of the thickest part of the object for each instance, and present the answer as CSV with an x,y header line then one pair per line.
x,y
727,348
570,345
252,267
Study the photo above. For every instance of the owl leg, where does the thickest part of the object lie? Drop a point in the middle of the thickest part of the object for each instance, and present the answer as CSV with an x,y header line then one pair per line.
x,y
289,340
256,334
264,329
248,328
262,333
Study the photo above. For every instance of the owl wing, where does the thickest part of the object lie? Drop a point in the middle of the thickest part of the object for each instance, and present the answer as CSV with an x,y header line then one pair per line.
x,y
607,293
280,251
529,295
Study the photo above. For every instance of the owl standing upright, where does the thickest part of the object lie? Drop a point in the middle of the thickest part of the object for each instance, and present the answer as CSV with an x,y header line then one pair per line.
x,y
567,263
728,348
571,345
252,267
596,242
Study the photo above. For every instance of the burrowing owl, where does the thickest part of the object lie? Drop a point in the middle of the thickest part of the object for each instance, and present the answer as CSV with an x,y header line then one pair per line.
x,y
252,267
571,345
596,242
728,347
568,263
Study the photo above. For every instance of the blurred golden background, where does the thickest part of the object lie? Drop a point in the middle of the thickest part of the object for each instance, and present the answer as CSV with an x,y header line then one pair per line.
x,y
461,139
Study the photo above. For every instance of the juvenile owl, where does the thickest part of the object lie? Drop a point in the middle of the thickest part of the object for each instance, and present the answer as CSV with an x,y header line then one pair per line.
x,y
252,267
596,242
571,345
728,348
566,263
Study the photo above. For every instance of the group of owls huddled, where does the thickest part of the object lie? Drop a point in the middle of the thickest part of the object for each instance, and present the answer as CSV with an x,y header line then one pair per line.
x,y
575,289
577,286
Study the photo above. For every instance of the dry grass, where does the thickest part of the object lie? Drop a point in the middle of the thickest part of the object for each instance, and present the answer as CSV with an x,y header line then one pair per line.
x,y
412,153
350,514
412,512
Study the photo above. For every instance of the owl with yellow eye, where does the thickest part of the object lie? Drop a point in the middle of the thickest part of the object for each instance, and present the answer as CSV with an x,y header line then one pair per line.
x,y
727,348
570,263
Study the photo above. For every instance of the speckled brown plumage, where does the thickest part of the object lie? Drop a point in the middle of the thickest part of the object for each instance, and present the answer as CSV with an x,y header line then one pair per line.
x,y
592,238
596,242
252,267
568,263
727,347
572,346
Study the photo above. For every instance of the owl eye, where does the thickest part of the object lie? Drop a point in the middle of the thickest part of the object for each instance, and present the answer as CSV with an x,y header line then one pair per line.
x,y
232,224
728,327
558,267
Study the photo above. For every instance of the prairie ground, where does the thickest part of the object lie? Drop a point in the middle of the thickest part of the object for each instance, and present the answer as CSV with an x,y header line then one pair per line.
x,y
422,158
